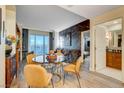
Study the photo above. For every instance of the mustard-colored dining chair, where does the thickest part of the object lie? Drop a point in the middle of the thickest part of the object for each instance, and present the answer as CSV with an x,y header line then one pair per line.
x,y
36,76
74,68
29,58
59,53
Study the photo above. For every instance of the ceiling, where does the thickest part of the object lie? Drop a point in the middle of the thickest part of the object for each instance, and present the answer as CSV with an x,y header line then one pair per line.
x,y
89,11
46,17
113,25
113,22
57,18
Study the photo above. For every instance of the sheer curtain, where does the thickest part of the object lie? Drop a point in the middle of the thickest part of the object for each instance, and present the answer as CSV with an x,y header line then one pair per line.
x,y
39,42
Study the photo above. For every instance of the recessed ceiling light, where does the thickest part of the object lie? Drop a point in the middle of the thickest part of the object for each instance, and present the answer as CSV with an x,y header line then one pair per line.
x,y
115,22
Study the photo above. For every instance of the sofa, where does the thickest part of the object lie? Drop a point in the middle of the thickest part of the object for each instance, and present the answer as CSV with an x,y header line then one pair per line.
x,y
71,55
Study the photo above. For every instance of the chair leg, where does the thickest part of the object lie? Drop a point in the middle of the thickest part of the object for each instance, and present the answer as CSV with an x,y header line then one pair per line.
x,y
78,80
78,75
64,79
52,83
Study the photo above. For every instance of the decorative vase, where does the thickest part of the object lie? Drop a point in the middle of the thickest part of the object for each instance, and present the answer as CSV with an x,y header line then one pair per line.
x,y
51,58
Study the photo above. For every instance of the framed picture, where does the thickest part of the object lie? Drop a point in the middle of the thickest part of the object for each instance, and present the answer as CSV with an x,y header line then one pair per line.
x,y
0,23
68,39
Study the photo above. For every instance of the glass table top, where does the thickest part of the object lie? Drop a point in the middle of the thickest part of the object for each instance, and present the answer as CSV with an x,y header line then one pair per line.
x,y
43,59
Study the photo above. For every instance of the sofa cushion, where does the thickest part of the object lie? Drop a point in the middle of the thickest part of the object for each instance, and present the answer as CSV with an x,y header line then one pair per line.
x,y
71,55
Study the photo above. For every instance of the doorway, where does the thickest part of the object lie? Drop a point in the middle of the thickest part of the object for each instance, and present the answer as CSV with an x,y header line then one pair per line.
x,y
85,48
108,48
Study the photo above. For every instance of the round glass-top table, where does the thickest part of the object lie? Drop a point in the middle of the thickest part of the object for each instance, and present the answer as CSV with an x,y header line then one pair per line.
x,y
43,59
56,67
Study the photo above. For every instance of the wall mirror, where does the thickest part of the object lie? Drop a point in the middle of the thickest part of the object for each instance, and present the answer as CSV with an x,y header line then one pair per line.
x,y
113,33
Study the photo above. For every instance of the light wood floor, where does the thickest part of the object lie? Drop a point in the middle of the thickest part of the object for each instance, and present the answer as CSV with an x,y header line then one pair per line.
x,y
88,79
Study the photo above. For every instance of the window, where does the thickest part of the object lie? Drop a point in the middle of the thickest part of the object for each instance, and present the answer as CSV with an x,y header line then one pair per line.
x,y
39,44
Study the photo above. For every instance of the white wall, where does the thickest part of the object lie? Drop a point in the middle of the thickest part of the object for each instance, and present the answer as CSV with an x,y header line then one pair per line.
x,y
56,40
11,24
9,18
2,52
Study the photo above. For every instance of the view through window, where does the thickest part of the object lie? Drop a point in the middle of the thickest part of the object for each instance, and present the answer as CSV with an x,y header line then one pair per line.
x,y
39,44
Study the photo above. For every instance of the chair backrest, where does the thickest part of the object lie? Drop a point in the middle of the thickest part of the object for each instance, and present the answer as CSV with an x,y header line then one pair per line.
x,y
59,52
78,63
36,76
29,58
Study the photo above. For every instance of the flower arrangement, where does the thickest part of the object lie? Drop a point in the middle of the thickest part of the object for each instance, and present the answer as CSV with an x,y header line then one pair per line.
x,y
11,38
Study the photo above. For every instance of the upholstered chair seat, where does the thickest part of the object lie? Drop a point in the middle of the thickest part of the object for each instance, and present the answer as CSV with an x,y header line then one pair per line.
x,y
29,57
37,76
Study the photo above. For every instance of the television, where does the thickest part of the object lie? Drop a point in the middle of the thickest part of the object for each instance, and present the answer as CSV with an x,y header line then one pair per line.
x,y
88,43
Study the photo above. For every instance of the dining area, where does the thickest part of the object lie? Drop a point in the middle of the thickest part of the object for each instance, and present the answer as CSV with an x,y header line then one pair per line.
x,y
50,70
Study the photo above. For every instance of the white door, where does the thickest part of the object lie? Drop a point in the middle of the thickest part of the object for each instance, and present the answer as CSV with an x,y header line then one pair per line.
x,y
100,48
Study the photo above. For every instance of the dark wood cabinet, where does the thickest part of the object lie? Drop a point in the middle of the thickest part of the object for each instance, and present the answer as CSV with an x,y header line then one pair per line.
x,y
10,70
114,59
18,47
12,62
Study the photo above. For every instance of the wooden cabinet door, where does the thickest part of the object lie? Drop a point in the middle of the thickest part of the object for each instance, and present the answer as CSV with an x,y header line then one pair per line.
x,y
117,60
114,60
8,71
109,59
